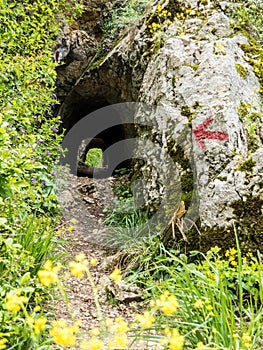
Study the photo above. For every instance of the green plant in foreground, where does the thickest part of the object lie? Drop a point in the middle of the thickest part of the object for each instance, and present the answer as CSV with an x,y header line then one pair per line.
x,y
112,333
30,142
220,297
214,303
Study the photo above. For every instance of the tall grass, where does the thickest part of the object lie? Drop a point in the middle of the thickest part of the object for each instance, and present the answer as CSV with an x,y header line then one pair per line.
x,y
220,296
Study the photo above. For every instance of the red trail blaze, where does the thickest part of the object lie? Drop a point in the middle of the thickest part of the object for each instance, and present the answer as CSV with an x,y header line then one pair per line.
x,y
200,133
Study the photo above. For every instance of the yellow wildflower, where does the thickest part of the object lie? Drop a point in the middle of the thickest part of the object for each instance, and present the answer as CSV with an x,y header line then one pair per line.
x,y
209,307
49,274
15,301
246,338
92,344
167,303
77,269
176,340
173,338
121,341
48,265
62,334
80,257
59,323
47,277
30,321
109,321
146,320
93,262
201,346
95,331
121,326
3,342
230,252
198,304
39,325
37,308
57,268
116,275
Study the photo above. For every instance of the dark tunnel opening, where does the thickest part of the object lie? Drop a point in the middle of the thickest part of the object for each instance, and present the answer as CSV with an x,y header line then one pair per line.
x,y
105,139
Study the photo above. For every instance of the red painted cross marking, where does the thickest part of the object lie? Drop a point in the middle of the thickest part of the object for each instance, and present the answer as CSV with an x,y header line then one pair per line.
x,y
201,133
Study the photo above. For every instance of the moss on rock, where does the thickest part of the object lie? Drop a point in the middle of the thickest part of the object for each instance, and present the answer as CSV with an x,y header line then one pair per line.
x,y
247,165
242,71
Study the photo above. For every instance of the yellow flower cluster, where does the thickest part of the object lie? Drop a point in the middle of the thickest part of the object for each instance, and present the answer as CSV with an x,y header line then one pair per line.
x,y
49,274
3,342
231,254
116,275
38,324
246,340
92,344
14,301
162,17
117,336
173,339
80,265
167,303
63,334
201,346
199,304
146,319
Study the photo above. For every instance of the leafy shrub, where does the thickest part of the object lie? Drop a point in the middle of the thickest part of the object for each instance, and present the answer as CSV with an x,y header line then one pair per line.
x,y
94,157
30,142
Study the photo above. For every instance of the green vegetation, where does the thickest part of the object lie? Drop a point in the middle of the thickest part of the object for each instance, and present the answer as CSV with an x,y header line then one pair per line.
x,y
199,301
248,14
219,294
127,222
247,19
94,157
115,24
29,148
216,296
252,118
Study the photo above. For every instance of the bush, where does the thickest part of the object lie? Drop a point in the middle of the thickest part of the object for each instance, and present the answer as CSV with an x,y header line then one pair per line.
x,y
30,145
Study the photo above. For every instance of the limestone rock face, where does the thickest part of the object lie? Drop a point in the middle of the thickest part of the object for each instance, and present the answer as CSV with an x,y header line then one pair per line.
x,y
206,91
76,49
200,73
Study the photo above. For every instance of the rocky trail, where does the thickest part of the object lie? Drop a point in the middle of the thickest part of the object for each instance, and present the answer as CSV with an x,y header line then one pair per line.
x,y
82,202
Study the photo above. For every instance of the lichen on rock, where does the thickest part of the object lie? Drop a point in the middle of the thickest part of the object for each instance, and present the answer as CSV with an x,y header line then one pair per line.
x,y
203,89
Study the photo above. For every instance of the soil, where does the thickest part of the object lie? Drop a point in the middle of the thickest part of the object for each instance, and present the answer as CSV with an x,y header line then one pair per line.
x,y
85,200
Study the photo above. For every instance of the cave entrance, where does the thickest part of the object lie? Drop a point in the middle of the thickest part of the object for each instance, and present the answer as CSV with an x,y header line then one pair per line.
x,y
101,134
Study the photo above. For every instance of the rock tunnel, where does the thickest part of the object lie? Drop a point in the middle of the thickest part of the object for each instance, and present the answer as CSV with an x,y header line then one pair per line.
x,y
95,123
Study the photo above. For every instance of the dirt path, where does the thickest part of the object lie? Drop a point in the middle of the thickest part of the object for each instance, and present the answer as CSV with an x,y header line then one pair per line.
x,y
87,209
